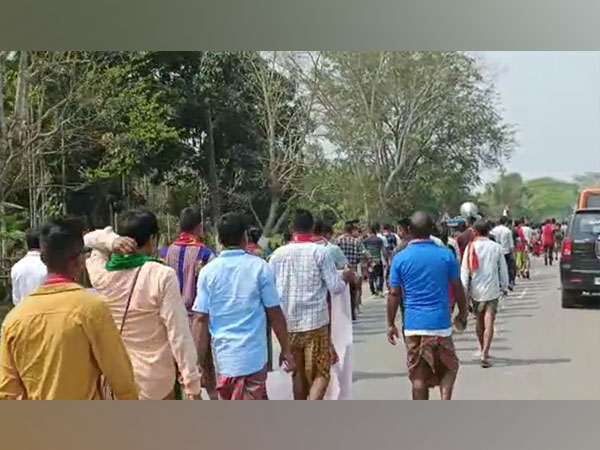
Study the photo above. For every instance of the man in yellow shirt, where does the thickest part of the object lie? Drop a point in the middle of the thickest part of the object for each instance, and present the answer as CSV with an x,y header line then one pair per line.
x,y
57,342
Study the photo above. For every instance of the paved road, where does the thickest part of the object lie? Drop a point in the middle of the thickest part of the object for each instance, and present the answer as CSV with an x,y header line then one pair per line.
x,y
540,350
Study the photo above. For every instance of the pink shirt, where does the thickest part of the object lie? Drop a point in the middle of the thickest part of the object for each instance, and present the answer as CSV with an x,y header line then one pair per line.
x,y
156,332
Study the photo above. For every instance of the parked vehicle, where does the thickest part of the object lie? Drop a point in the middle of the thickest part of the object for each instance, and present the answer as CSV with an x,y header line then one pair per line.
x,y
580,257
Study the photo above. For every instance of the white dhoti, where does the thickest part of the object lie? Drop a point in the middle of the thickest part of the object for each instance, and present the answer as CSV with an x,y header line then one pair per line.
x,y
279,383
340,386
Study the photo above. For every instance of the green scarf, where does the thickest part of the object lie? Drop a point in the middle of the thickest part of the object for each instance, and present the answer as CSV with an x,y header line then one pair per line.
x,y
124,262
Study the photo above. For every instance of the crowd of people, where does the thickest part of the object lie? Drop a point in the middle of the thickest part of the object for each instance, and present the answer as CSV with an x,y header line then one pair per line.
x,y
167,323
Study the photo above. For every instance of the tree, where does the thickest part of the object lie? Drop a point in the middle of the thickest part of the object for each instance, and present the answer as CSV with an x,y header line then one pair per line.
x,y
285,119
588,180
400,114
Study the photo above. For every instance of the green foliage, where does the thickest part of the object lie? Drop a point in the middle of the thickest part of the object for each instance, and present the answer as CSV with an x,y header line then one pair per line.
x,y
537,199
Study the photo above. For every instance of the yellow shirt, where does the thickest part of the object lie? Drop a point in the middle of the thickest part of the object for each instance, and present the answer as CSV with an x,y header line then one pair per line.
x,y
55,345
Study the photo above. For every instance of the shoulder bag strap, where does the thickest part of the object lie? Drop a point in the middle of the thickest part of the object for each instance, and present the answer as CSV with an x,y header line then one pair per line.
x,y
129,299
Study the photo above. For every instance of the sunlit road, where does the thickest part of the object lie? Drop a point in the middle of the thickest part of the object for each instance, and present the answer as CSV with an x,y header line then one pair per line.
x,y
540,350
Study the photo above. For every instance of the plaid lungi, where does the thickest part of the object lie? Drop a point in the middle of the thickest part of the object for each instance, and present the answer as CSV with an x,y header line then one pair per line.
x,y
312,350
431,357
248,387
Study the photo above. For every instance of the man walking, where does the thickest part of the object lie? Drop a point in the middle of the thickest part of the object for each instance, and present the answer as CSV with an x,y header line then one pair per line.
x,y
422,274
484,275
304,273
236,294
504,236
375,246
144,298
29,272
187,256
466,235
355,252
548,242
58,342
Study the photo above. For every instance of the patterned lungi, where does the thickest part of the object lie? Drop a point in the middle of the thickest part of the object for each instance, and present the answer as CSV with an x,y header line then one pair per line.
x,y
312,349
431,357
248,387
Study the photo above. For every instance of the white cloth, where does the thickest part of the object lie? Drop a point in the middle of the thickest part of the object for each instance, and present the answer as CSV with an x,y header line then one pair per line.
x,y
340,386
487,282
444,332
504,237
27,275
437,241
528,233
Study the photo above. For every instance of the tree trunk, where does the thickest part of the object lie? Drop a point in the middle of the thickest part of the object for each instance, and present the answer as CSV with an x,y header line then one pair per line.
x,y
212,175
269,229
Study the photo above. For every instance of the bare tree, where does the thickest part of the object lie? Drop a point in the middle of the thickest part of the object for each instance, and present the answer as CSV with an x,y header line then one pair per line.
x,y
285,114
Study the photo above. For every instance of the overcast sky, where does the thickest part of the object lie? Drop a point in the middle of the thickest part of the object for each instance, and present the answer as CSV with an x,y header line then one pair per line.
x,y
554,100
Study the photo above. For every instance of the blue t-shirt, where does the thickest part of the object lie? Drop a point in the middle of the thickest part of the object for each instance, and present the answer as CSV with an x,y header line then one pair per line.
x,y
234,290
423,271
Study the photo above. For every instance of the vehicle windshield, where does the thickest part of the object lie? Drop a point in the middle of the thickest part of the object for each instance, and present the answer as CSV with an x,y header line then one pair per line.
x,y
586,226
593,201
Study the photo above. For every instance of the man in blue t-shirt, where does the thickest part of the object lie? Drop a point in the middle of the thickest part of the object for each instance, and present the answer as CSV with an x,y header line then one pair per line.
x,y
423,274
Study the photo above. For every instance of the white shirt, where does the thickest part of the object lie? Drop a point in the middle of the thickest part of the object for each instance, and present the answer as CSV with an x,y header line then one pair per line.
x,y
504,237
528,233
488,281
27,275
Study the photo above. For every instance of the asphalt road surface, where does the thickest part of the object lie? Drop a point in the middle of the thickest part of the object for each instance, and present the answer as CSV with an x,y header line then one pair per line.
x,y
540,350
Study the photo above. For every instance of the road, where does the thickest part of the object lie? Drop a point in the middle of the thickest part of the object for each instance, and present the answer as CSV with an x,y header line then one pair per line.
x,y
540,350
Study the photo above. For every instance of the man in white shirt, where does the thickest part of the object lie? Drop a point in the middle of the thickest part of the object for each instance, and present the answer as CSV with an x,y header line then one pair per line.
x,y
484,274
29,272
504,236
527,232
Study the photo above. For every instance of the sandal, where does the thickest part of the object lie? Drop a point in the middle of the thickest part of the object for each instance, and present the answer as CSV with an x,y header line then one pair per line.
x,y
485,364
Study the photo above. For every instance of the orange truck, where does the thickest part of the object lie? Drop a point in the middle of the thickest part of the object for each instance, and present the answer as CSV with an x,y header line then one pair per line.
x,y
589,198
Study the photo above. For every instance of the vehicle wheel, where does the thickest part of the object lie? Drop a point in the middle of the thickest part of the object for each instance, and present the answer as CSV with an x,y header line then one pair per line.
x,y
569,298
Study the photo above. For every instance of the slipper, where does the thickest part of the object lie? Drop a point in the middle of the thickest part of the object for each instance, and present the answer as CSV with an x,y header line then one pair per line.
x,y
485,364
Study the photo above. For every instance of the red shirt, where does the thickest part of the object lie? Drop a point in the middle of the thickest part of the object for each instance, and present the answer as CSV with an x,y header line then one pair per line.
x,y
548,234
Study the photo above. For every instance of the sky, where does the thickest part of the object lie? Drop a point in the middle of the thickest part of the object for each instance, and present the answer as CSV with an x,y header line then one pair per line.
x,y
553,99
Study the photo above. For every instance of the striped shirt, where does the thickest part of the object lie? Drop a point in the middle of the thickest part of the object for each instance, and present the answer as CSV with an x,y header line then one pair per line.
x,y
187,260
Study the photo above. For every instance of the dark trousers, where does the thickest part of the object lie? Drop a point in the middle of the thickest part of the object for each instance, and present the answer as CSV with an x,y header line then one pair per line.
x,y
548,254
353,299
512,268
376,279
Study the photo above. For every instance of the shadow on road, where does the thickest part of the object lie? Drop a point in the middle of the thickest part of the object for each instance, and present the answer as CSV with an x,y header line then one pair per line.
x,y
512,362
357,376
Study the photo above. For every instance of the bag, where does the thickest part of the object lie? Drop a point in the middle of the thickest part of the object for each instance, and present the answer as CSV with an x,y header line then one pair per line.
x,y
106,392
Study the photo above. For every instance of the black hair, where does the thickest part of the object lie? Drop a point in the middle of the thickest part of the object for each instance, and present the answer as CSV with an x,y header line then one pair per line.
x,y
503,220
231,229
61,240
349,227
471,220
404,223
33,239
189,219
462,226
254,235
140,226
303,221
482,227
322,227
